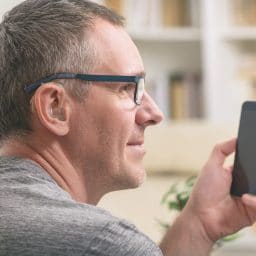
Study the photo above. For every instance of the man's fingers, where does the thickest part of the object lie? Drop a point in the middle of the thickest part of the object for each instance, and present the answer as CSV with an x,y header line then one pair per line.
x,y
222,150
249,200
230,168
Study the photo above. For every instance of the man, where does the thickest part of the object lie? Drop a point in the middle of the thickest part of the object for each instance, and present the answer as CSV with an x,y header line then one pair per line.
x,y
72,121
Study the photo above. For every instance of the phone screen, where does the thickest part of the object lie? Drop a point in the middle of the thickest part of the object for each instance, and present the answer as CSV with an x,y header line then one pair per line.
x,y
244,173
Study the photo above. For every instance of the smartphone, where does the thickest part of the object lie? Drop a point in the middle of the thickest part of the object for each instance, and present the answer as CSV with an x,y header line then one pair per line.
x,y
244,172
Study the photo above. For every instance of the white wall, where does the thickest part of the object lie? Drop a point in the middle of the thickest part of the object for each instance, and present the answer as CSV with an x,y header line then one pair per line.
x,y
6,5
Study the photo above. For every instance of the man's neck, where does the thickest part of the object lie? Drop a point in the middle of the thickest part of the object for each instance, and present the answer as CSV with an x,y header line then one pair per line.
x,y
56,164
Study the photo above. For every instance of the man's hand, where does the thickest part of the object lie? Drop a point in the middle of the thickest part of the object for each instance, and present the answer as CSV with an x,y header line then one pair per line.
x,y
219,212
211,211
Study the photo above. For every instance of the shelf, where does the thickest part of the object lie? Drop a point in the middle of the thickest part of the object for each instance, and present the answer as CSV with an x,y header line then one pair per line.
x,y
166,34
240,34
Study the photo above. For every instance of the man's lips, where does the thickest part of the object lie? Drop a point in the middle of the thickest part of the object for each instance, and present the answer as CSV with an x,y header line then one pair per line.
x,y
138,146
136,143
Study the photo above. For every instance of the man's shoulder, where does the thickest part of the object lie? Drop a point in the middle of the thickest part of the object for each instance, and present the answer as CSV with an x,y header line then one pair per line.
x,y
25,186
41,218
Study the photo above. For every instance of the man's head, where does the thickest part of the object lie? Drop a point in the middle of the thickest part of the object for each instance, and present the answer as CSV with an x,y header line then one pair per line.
x,y
101,135
38,38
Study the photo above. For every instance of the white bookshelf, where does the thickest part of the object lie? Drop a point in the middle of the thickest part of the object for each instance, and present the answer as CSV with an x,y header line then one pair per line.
x,y
6,5
166,49
166,34
239,34
223,44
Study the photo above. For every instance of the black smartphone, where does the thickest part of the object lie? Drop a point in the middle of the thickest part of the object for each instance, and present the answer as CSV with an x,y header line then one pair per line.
x,y
244,172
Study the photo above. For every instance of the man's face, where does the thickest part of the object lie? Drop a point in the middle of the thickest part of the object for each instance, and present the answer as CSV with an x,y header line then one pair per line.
x,y
109,126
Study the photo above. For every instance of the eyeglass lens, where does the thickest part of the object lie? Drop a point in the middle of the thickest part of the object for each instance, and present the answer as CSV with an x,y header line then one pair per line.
x,y
140,91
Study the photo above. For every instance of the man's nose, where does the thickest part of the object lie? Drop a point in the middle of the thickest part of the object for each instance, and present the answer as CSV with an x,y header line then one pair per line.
x,y
148,112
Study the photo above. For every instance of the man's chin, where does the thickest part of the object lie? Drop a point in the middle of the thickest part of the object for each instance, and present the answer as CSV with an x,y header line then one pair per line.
x,y
138,177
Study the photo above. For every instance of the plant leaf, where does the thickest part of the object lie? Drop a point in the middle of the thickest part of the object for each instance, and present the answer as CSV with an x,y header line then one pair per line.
x,y
172,190
191,181
231,237
174,205
182,199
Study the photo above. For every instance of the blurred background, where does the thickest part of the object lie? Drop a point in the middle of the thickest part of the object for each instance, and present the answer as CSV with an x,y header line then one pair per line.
x,y
200,59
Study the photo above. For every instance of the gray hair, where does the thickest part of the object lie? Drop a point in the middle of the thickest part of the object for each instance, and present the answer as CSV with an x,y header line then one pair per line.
x,y
38,38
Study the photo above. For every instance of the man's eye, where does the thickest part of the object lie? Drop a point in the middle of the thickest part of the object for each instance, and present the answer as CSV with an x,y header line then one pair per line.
x,y
128,87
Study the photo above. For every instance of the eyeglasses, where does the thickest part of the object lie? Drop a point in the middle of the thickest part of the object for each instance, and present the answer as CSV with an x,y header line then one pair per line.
x,y
139,82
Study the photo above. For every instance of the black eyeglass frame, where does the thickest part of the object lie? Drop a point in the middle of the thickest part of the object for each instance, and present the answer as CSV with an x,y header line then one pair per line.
x,y
139,87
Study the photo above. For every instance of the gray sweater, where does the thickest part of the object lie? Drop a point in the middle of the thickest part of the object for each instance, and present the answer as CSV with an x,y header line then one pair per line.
x,y
37,217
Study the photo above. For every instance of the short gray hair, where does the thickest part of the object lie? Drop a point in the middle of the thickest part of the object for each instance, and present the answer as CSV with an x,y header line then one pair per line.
x,y
38,38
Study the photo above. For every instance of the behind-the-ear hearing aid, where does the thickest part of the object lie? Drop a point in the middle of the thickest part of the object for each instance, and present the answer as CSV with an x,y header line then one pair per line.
x,y
58,113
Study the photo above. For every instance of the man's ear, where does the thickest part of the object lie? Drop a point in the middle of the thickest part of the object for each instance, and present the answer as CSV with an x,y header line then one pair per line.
x,y
52,106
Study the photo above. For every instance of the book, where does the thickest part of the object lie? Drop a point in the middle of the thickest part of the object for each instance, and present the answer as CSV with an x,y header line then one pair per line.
x,y
194,16
185,96
116,5
244,12
176,13
138,13
194,96
177,97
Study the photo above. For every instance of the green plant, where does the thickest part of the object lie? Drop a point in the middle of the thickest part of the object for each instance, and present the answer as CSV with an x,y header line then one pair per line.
x,y
176,198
